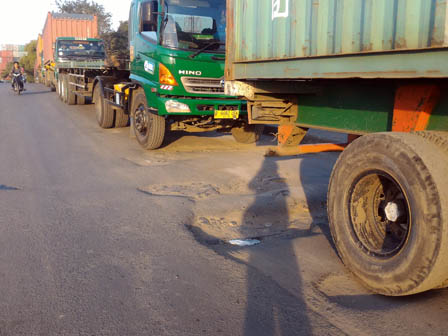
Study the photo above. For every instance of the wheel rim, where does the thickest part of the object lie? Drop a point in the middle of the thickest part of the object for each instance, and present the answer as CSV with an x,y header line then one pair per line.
x,y
379,214
142,121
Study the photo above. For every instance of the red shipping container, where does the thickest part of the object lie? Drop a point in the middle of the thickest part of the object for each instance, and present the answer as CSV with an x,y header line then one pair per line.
x,y
66,25
6,53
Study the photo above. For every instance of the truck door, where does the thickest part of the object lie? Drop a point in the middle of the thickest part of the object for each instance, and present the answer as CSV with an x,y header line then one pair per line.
x,y
144,39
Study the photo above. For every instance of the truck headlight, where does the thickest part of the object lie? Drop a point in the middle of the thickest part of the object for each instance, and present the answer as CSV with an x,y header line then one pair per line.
x,y
173,106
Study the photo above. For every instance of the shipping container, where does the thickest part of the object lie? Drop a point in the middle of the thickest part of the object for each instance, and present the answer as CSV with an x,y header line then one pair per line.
x,y
66,25
19,54
6,53
39,52
327,38
376,70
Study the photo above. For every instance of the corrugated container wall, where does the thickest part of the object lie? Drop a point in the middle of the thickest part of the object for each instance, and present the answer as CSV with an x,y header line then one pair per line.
x,y
6,56
67,25
279,29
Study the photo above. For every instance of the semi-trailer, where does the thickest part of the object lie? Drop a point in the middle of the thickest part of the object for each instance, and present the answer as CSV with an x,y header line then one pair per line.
x,y
377,71
80,26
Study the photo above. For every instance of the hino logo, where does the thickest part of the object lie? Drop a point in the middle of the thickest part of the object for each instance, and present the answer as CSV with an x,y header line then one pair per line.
x,y
190,72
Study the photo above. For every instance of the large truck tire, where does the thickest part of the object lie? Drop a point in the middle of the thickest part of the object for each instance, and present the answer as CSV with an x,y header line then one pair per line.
x,y
81,100
59,87
104,112
439,138
71,96
64,89
247,134
388,212
149,127
121,119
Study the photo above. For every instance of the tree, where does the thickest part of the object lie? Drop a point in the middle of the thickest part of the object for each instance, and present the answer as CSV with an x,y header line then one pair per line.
x,y
88,7
29,60
5,73
116,42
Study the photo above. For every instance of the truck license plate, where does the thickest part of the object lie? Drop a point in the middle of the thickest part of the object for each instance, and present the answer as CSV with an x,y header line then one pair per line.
x,y
227,114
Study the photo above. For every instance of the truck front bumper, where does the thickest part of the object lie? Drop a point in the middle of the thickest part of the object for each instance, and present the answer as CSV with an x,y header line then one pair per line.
x,y
174,105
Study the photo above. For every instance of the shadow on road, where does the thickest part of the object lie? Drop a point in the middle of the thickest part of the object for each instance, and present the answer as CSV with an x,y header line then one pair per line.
x,y
314,178
272,309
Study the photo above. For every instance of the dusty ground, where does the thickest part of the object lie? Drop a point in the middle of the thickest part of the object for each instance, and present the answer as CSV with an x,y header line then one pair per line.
x,y
98,237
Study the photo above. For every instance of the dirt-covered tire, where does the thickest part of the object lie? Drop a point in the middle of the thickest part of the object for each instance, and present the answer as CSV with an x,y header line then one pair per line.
x,y
248,133
81,100
149,127
104,113
121,119
59,87
64,89
438,138
388,212
71,96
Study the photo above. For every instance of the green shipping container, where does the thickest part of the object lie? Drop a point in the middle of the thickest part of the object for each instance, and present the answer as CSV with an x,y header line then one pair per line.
x,y
293,39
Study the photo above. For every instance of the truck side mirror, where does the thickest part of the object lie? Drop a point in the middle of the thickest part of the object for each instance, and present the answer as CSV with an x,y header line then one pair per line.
x,y
149,16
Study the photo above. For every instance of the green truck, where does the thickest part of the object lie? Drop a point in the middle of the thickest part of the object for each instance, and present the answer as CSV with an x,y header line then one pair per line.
x,y
376,70
77,62
176,76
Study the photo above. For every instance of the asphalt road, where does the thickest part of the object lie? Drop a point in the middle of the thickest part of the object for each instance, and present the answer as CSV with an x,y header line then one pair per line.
x,y
98,237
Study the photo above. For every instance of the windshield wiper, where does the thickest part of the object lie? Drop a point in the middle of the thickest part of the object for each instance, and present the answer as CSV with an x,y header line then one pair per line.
x,y
200,51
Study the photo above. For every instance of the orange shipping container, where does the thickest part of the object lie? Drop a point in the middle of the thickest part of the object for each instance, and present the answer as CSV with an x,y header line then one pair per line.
x,y
66,25
39,52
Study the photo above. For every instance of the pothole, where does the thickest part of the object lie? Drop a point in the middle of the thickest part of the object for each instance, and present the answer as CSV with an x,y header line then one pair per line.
x,y
142,162
193,191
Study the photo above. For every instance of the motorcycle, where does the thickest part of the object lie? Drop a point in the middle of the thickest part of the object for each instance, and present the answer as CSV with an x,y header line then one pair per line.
x,y
17,83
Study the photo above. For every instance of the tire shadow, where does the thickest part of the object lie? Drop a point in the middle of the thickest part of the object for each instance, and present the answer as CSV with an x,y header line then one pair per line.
x,y
314,178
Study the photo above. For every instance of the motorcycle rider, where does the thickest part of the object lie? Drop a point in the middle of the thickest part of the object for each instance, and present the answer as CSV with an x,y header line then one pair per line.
x,y
17,70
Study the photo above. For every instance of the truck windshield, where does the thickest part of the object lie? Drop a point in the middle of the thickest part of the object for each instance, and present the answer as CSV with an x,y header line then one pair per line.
x,y
81,49
194,25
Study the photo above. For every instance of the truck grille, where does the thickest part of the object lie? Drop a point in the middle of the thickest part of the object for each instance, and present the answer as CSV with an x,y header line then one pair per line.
x,y
203,85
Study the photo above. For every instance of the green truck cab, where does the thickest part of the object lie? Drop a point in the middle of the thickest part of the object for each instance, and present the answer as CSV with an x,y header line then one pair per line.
x,y
77,62
176,77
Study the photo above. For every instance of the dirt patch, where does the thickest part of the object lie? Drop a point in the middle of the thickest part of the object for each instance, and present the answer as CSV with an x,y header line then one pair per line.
x,y
147,162
336,285
192,191
233,211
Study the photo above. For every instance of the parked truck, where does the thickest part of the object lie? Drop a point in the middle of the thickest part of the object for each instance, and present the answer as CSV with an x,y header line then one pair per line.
x,y
378,71
77,63
57,25
176,76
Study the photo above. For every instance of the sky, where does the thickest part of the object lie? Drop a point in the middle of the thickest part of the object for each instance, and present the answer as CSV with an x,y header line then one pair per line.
x,y
23,20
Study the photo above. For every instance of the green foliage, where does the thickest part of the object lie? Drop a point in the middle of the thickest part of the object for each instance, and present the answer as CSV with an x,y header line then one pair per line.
x,y
88,7
5,73
117,42
27,62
